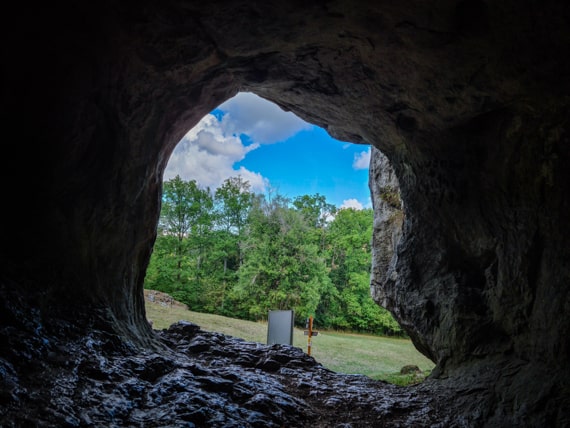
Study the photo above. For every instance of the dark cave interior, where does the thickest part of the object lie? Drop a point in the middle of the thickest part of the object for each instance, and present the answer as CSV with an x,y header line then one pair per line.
x,y
466,102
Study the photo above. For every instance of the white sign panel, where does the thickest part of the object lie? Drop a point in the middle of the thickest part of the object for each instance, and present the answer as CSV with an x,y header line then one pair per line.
x,y
280,327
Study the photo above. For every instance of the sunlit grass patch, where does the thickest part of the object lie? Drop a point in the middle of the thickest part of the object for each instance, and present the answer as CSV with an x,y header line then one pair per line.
x,y
403,379
374,356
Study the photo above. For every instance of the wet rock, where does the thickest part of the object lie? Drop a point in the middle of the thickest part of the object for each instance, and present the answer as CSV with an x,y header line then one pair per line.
x,y
278,386
466,101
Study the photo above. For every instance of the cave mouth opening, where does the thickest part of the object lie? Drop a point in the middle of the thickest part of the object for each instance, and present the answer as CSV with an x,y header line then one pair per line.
x,y
216,247
492,192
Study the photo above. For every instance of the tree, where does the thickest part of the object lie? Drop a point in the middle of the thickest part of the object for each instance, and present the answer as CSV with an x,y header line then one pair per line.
x,y
239,254
200,242
317,213
350,258
282,268
182,241
315,209
233,200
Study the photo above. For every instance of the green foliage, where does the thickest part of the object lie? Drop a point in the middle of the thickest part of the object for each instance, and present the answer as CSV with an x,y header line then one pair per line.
x,y
404,379
392,197
349,254
238,254
315,209
233,202
281,260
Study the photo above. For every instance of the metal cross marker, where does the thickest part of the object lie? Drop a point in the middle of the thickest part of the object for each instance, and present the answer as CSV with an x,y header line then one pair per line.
x,y
310,333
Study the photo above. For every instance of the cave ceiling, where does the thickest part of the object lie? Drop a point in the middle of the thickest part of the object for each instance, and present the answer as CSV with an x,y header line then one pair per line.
x,y
465,104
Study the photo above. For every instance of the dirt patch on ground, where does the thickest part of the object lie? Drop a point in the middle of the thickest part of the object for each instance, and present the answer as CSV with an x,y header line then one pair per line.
x,y
160,298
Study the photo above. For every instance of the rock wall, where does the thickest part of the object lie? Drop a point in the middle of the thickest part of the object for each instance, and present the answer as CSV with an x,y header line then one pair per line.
x,y
388,224
469,276
467,100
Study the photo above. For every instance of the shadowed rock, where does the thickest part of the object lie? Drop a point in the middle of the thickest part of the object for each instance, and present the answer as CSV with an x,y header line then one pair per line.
x,y
466,106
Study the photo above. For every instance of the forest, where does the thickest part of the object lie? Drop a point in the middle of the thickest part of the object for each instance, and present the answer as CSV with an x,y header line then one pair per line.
x,y
236,253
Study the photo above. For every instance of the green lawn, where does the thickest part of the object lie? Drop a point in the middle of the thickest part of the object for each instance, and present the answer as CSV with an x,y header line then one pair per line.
x,y
373,356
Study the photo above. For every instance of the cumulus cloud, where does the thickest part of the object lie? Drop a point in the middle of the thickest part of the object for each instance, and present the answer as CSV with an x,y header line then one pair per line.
x,y
351,203
261,120
361,160
209,151
207,154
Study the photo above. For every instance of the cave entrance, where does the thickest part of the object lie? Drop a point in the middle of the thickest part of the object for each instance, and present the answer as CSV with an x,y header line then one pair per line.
x,y
241,234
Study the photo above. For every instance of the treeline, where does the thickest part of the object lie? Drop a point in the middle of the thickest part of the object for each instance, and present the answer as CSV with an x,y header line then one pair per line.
x,y
239,254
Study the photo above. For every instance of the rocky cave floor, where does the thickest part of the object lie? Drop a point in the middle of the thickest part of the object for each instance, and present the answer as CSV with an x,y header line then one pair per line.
x,y
72,370
55,375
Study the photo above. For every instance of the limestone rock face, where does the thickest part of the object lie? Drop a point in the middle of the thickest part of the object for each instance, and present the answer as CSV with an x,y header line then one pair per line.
x,y
466,106
388,223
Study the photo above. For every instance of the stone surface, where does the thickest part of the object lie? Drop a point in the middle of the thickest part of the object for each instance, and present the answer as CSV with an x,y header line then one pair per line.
x,y
56,375
467,101
389,215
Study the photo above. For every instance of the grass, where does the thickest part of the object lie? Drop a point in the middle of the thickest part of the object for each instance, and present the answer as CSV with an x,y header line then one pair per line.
x,y
374,356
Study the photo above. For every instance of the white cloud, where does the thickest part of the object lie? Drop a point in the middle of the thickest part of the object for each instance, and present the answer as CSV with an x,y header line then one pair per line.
x,y
351,203
261,120
209,151
361,160
206,154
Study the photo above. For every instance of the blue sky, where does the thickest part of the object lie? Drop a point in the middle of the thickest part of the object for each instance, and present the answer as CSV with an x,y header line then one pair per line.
x,y
275,151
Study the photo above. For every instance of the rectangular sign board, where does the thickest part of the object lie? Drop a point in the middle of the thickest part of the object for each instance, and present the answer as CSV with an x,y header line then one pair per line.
x,y
280,327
